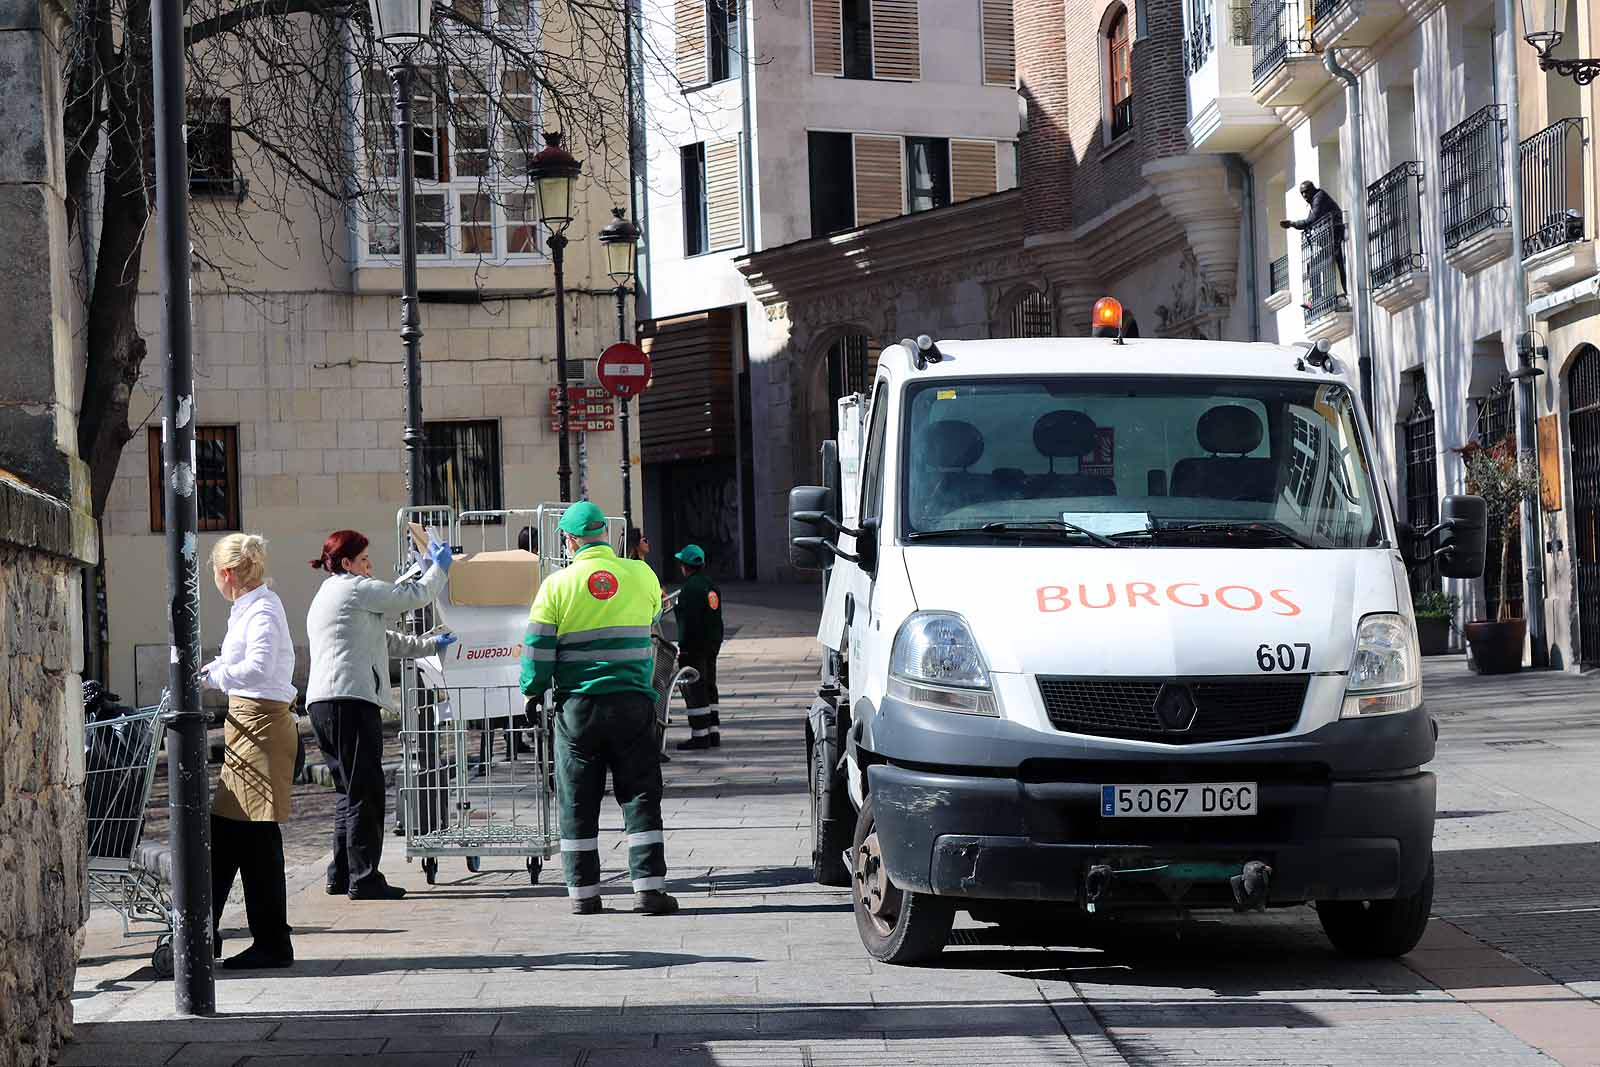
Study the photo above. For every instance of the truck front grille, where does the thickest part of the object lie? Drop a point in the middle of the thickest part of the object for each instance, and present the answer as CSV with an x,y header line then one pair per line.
x,y
1175,711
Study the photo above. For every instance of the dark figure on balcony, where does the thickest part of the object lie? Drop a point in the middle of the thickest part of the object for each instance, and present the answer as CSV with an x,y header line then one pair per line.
x,y
1323,206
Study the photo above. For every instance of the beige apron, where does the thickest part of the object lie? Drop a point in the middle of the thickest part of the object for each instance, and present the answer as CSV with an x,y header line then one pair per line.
x,y
258,762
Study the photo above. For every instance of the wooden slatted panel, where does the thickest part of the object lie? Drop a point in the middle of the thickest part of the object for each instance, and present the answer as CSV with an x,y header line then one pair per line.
x,y
896,40
880,178
874,350
827,37
687,413
999,43
690,23
973,170
724,212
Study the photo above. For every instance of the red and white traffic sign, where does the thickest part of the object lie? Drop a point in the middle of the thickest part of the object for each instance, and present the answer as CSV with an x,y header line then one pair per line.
x,y
624,370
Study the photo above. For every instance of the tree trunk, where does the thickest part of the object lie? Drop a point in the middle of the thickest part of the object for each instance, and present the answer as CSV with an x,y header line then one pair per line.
x,y
1502,609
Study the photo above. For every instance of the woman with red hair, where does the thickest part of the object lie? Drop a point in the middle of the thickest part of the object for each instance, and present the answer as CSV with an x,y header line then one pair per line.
x,y
349,686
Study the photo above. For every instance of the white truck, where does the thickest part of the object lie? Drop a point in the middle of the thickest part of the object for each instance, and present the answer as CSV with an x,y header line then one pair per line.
x,y
1115,624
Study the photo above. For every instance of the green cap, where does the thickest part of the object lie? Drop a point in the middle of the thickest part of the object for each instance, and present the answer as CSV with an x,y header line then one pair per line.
x,y
691,555
583,519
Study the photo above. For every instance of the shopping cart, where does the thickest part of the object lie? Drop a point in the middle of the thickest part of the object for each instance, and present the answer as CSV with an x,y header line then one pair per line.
x,y
666,676
119,769
453,802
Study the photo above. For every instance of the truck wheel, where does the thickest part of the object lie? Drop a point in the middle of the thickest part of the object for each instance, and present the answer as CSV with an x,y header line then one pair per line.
x,y
830,818
896,926
1378,927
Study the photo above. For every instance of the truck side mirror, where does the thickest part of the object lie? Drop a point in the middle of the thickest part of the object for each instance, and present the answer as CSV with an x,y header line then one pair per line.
x,y
867,547
811,527
1406,540
1463,536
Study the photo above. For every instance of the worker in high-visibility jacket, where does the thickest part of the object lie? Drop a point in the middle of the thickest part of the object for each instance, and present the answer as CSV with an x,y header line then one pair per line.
x,y
589,632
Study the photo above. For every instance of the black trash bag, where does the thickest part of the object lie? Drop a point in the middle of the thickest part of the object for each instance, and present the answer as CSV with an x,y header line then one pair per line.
x,y
116,754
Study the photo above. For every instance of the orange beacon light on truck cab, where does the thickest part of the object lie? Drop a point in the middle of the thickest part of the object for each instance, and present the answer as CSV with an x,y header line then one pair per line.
x,y
1107,318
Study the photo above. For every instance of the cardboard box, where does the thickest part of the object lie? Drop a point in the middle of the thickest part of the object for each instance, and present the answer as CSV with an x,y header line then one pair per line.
x,y
494,579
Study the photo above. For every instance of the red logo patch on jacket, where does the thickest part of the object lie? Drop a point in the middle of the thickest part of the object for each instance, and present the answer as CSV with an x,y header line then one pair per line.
x,y
602,585
713,600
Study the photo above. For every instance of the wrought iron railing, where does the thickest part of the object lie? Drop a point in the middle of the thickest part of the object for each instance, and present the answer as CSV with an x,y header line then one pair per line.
x,y
1278,275
1394,225
1201,38
1472,192
1323,255
1326,9
1279,30
1552,187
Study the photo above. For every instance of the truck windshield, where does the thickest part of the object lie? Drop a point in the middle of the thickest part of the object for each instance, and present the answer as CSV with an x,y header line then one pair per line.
x,y
1179,460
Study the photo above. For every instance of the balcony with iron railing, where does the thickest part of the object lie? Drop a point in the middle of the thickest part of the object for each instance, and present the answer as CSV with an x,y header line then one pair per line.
x,y
1555,236
1472,190
1396,266
1326,304
1287,71
1353,23
1224,115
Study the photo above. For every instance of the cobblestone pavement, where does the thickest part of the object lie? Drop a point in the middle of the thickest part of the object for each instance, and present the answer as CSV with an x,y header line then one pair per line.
x,y
765,968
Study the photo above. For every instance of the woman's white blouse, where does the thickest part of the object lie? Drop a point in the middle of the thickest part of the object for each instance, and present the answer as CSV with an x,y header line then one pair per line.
x,y
257,657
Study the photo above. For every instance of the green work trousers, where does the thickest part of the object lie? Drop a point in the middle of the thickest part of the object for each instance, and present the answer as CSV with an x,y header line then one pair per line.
x,y
616,732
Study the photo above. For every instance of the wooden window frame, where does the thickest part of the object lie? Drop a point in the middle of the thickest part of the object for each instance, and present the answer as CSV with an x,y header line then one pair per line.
x,y
232,519
1119,114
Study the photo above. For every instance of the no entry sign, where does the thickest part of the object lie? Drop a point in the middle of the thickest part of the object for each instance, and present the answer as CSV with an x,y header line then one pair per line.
x,y
624,370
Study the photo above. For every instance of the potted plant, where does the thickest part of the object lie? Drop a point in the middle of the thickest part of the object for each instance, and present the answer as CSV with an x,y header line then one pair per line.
x,y
1504,480
1435,613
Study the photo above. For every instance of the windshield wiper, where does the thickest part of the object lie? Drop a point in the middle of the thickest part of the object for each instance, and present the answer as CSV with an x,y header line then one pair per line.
x,y
1047,527
1244,530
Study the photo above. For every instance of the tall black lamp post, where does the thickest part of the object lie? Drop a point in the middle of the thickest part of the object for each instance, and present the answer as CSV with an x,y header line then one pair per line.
x,y
401,26
621,240
1544,25
554,173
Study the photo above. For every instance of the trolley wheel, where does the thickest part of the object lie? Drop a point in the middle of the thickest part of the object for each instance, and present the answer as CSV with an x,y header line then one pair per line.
x,y
535,865
474,863
161,958
430,868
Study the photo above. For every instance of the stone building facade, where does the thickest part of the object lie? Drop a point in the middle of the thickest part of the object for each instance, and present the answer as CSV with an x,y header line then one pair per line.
x,y
45,541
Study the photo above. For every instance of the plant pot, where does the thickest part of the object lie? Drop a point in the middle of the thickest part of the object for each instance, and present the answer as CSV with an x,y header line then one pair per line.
x,y
1433,635
1497,646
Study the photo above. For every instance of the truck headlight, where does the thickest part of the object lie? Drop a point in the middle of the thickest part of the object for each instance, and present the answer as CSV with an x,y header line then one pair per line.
x,y
935,663
1386,676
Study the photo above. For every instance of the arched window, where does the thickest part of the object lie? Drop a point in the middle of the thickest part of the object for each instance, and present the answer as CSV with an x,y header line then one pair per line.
x,y
1119,72
1031,315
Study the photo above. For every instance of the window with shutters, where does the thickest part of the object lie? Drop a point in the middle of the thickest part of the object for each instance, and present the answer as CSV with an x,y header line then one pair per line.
x,y
209,136
999,42
1119,73
871,39
831,161
216,479
713,206
927,173
974,169
896,40
474,131
461,465
707,41
856,16
689,29
880,183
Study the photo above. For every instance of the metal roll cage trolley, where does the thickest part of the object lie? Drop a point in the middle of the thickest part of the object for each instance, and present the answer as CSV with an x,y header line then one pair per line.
x,y
453,802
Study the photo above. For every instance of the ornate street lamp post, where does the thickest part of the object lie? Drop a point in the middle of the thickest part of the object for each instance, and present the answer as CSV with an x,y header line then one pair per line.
x,y
554,173
1544,25
401,26
621,240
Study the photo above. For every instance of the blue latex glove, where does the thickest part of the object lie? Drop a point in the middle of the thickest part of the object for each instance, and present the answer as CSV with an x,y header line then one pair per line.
x,y
440,555
444,641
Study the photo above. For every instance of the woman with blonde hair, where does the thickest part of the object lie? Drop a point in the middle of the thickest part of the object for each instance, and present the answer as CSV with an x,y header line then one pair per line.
x,y
256,670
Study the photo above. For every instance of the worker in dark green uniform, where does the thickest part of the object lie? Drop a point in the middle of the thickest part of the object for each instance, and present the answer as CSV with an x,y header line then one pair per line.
x,y
589,632
699,614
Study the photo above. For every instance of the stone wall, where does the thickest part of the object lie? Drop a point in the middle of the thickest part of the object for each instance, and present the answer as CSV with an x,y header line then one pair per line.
x,y
46,537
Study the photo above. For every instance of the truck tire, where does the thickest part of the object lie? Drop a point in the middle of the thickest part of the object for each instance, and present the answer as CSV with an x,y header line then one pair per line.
x,y
830,817
896,926
1378,927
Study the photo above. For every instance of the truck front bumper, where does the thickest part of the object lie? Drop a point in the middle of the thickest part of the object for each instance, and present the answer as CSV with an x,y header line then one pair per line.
x,y
992,837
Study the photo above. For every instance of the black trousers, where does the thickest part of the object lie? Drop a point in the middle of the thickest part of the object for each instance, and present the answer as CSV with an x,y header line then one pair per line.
x,y
350,734
253,851
700,698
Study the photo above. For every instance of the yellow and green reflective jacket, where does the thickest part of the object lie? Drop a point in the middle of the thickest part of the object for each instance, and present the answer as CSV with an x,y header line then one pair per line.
x,y
589,626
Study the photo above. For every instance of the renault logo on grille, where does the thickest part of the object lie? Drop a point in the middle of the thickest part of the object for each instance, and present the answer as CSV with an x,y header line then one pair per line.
x,y
1175,707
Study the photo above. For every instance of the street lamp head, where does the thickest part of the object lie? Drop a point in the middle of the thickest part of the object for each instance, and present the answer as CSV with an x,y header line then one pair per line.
x,y
554,172
621,239
401,23
1544,24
